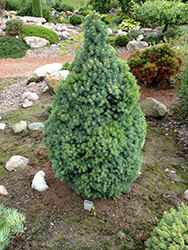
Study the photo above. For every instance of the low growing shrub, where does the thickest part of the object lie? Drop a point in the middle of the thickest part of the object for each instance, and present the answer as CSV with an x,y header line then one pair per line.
x,y
39,31
155,64
111,40
60,6
171,232
154,39
122,40
63,19
11,224
85,12
128,24
14,26
31,80
11,47
133,34
75,20
107,19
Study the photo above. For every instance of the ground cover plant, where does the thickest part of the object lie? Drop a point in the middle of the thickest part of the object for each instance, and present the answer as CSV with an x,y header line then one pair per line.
x,y
14,26
96,128
39,31
11,47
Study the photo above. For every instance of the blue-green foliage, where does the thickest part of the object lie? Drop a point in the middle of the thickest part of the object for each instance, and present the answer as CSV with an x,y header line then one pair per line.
x,y
96,128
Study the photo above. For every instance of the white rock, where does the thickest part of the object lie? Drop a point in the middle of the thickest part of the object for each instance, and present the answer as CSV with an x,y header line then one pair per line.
x,y
2,126
3,190
45,89
32,84
43,71
36,42
73,32
33,19
27,103
140,37
36,126
109,31
39,182
19,127
15,162
167,170
186,194
134,45
30,96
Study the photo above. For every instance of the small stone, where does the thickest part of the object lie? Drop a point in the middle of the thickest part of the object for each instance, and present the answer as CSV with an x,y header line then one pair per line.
x,y
167,170
3,190
19,127
27,103
39,182
2,126
186,194
45,89
36,126
30,96
16,161
32,84
127,191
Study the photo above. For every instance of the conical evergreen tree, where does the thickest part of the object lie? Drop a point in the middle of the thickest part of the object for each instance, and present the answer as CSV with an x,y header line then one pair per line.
x,y
96,128
37,8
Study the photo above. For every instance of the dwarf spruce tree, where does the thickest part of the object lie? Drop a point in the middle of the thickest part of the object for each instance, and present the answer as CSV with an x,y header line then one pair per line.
x,y
96,128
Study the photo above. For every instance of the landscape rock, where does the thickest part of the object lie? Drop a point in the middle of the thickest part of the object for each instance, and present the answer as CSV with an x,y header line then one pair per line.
x,y
62,35
53,79
36,126
110,31
27,103
2,126
36,42
19,127
30,96
153,108
32,19
15,162
132,46
43,71
32,84
3,190
186,194
72,32
39,182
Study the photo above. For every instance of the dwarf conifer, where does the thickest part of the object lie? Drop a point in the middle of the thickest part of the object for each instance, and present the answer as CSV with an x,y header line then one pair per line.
x,y
96,128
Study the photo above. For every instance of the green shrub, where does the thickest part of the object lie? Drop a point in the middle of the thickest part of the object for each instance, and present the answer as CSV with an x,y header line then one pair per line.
x,y
155,64
25,10
11,224
31,80
107,19
49,109
161,12
133,34
102,6
154,39
85,12
11,47
111,40
66,66
171,232
64,20
39,31
96,127
59,5
11,4
115,20
14,26
75,20
122,40
36,8
128,24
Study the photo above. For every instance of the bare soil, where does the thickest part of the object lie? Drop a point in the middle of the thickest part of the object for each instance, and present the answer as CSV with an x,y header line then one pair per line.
x,y
55,218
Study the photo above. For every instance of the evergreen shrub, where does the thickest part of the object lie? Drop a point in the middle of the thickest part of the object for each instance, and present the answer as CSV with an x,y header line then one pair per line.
x,y
154,65
14,26
11,224
111,40
11,47
154,39
171,233
75,20
96,127
107,19
39,31
122,40
66,66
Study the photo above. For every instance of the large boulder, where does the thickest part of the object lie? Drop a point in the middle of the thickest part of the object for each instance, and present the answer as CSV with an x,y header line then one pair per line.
x,y
153,108
36,42
132,46
53,79
42,72
32,19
